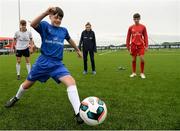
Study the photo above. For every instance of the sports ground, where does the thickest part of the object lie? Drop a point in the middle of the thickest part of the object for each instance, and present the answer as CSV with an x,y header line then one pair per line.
x,y
133,103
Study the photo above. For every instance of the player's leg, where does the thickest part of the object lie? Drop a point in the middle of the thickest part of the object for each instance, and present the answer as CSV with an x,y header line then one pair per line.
x,y
85,55
23,87
92,62
141,52
73,95
18,66
28,64
26,54
142,66
134,57
36,73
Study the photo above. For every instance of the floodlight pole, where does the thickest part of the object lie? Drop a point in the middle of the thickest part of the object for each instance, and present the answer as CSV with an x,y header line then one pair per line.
x,y
19,10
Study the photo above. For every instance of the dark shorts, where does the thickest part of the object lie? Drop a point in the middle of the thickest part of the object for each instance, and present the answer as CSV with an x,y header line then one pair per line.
x,y
25,53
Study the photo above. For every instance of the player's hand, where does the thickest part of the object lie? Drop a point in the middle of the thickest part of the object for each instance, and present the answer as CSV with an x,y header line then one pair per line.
x,y
31,48
50,10
146,48
129,50
79,54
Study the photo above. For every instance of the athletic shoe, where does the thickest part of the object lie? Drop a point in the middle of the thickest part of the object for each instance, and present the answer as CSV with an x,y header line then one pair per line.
x,y
94,72
133,75
79,120
18,77
142,76
84,72
11,102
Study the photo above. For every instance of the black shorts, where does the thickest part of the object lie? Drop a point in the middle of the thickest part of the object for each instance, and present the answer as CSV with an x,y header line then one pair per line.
x,y
24,52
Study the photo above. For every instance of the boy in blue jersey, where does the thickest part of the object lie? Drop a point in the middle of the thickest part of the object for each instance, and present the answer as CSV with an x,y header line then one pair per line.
x,y
49,63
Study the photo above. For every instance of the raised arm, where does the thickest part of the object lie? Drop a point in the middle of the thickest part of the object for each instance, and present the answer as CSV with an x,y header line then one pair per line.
x,y
38,19
73,44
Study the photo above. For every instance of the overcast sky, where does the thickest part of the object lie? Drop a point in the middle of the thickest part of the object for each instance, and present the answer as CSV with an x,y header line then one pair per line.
x,y
110,18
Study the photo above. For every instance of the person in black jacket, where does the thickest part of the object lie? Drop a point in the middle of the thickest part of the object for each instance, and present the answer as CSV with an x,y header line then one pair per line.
x,y
88,43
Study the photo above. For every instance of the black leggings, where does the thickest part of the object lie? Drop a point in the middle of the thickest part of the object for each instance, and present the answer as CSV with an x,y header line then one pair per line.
x,y
85,55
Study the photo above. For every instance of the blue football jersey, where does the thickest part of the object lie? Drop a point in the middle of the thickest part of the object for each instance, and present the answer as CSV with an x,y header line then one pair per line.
x,y
52,38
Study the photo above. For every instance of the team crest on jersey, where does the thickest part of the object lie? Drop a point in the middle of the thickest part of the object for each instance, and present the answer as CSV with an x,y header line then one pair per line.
x,y
133,29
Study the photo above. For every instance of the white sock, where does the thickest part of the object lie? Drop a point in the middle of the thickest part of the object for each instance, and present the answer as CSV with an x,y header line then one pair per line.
x,y
74,98
18,67
28,66
20,92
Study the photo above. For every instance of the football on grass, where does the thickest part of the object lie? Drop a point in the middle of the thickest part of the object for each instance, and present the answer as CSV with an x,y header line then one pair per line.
x,y
93,111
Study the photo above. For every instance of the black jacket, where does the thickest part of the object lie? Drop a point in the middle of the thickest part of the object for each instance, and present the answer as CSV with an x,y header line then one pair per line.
x,y
88,41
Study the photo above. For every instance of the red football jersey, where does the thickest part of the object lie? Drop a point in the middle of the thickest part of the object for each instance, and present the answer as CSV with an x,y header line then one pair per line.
x,y
137,34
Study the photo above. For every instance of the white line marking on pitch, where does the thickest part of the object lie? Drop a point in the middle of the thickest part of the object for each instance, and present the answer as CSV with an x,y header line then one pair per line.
x,y
104,53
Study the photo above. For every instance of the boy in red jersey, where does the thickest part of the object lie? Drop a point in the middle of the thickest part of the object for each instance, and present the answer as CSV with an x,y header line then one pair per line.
x,y
137,44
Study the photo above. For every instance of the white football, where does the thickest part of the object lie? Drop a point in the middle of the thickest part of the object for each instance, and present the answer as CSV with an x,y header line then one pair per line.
x,y
93,111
